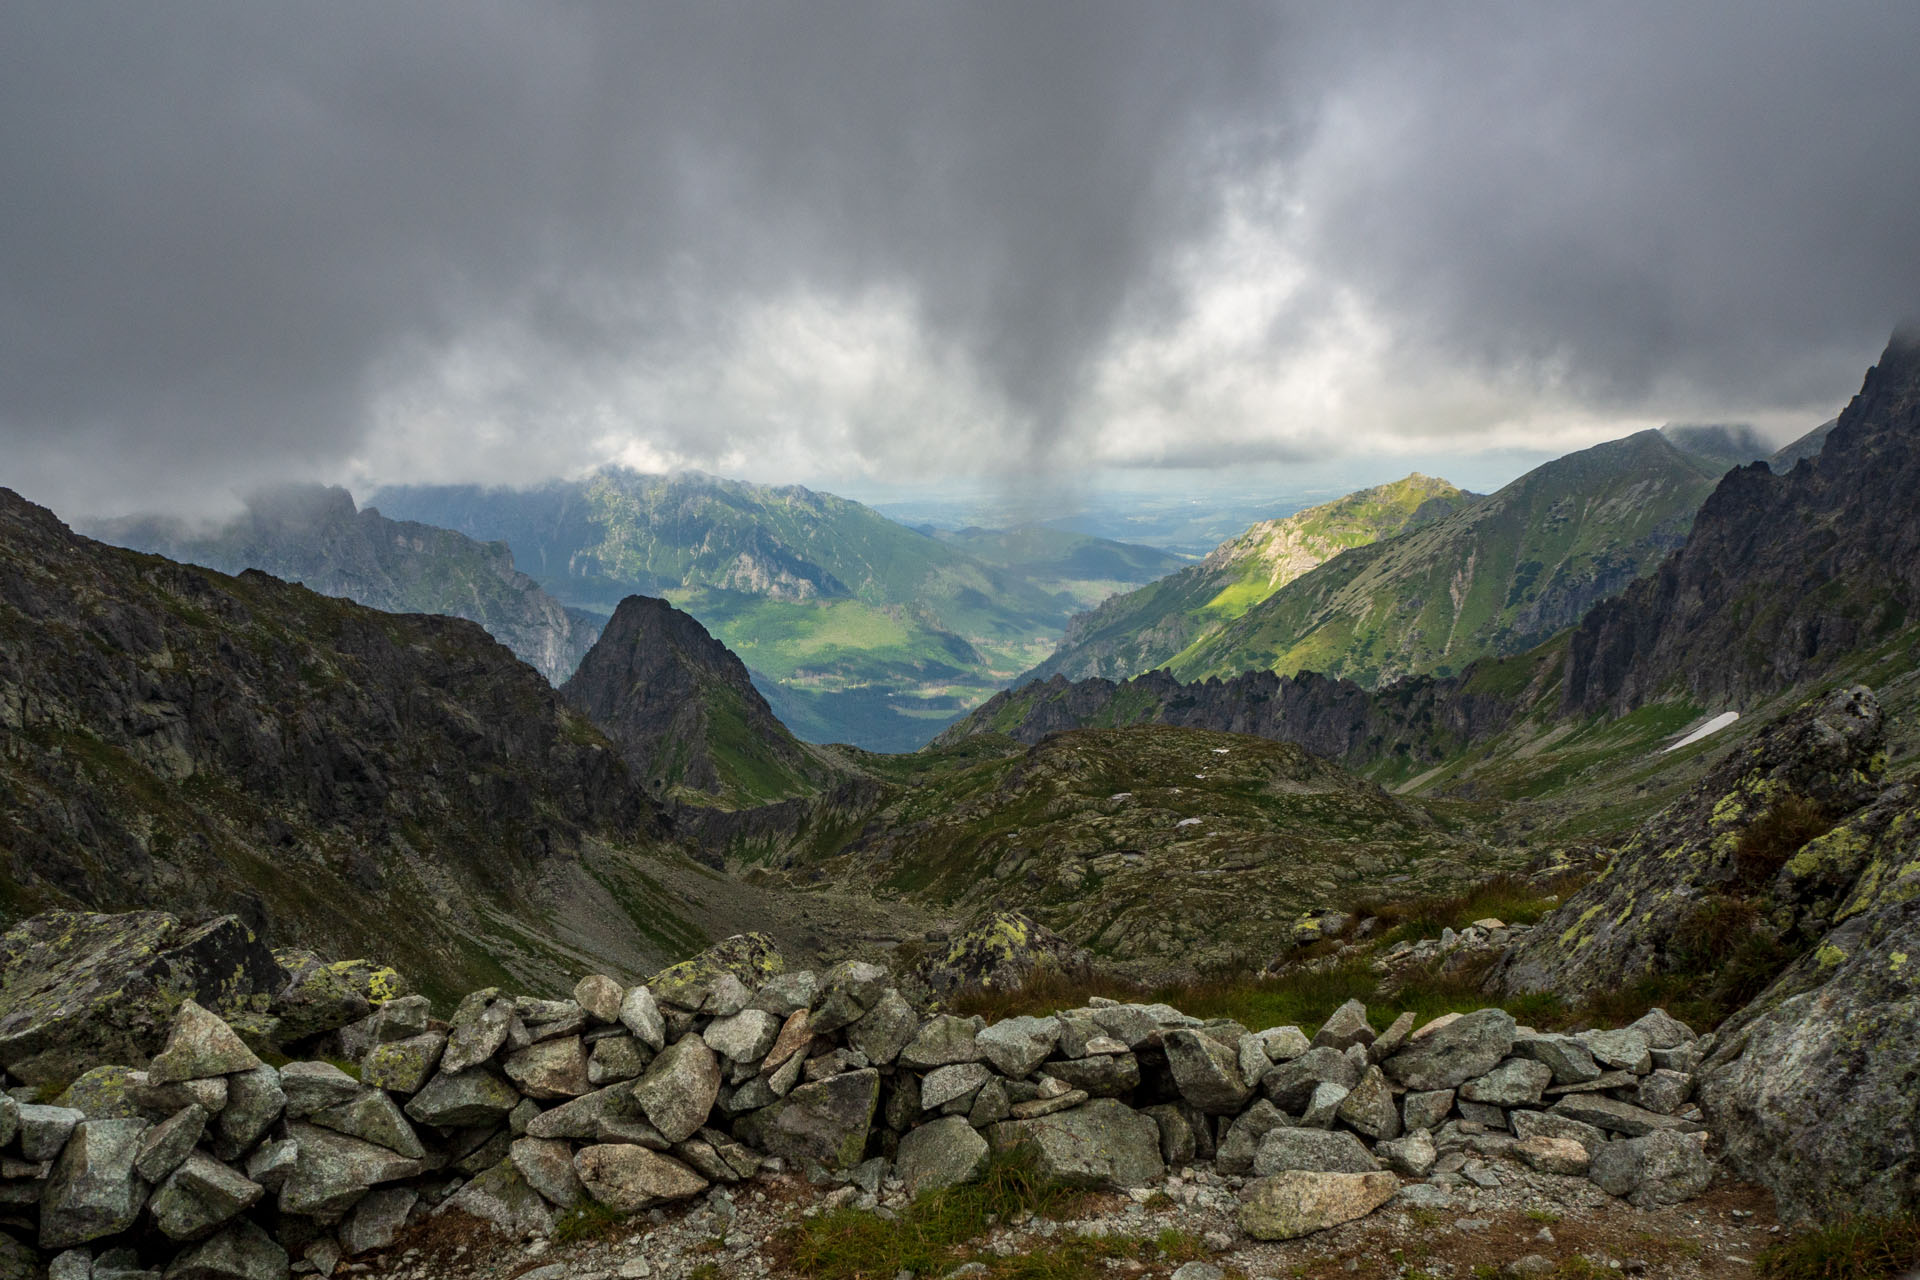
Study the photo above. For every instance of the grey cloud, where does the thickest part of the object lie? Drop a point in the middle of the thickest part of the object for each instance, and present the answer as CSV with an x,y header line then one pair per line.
x,y
231,229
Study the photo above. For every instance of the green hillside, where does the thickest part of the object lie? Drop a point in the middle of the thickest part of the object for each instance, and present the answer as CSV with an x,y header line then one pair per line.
x,y
1496,577
1147,628
858,629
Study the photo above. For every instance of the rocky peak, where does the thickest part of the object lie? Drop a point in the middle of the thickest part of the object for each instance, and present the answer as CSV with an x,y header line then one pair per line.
x,y
683,709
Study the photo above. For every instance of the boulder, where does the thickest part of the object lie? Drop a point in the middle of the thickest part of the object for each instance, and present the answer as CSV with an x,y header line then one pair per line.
x,y
884,1030
547,1165
550,1069
1613,1115
477,1032
750,958
679,1088
1242,1138
242,1252
199,1044
588,1117
80,989
1283,1044
310,1086
847,992
44,1130
1370,1108
1516,1082
201,1196
1101,1143
404,1066
1664,1091
600,996
628,1178
1324,1106
372,1117
1297,1203
1107,1075
640,1014
942,1153
826,1123
1661,1030
946,1085
454,1100
501,1197
1570,1061
744,1037
1291,1084
1315,1150
1653,1171
942,1041
1545,1124
1016,1046
1623,1050
331,1171
1553,1155
254,1101
795,1038
102,1094
1426,1109
93,1189
1206,1072
164,1146
785,994
377,1219
1412,1156
1466,1047
999,952
322,996
1345,1026
617,1058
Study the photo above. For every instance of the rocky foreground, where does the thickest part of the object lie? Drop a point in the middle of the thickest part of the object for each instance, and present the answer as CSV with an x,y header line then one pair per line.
x,y
726,1097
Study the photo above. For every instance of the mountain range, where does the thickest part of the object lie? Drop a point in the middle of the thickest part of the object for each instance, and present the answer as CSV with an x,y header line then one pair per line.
x,y
856,628
315,536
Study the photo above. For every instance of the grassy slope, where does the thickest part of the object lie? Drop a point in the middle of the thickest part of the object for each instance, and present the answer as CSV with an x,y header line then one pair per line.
x,y
1157,847
1494,578
1143,629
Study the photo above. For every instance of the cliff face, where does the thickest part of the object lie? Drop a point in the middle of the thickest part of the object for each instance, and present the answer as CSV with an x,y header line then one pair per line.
x,y
365,782
1782,574
1422,717
316,537
684,711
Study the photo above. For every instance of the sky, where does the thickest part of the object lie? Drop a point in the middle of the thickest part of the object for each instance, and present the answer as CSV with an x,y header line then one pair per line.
x,y
898,246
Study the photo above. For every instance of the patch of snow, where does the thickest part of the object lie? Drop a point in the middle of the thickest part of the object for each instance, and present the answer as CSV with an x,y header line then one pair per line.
x,y
1220,751
1121,795
1187,822
1713,726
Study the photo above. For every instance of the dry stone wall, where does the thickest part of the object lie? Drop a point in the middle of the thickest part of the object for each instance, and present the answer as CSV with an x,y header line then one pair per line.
x,y
206,1161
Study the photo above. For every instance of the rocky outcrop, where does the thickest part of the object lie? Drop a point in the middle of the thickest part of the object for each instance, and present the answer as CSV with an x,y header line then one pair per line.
x,y
1708,861
1816,1084
1337,719
1782,574
315,536
204,1160
366,782
684,711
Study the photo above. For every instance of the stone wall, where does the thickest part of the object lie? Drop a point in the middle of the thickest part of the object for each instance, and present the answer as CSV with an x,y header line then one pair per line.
x,y
208,1161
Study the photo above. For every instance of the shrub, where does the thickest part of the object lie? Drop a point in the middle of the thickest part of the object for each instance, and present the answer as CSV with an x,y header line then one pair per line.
x,y
1777,835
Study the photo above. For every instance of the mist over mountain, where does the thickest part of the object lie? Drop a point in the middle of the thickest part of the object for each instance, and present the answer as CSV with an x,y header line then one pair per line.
x,y
315,536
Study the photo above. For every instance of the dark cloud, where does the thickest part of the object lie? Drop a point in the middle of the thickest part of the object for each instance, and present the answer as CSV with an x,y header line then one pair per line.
x,y
481,240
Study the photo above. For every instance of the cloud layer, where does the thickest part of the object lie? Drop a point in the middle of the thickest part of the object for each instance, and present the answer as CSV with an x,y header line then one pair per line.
x,y
497,242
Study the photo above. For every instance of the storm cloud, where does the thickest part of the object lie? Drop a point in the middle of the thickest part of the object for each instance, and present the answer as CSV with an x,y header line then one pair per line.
x,y
497,242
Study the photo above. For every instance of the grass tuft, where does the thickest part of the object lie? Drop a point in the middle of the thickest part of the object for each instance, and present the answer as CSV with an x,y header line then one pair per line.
x,y
588,1220
1776,836
1851,1249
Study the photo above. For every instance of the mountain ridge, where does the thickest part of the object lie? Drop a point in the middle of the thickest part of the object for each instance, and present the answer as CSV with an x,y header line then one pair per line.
x,y
316,536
